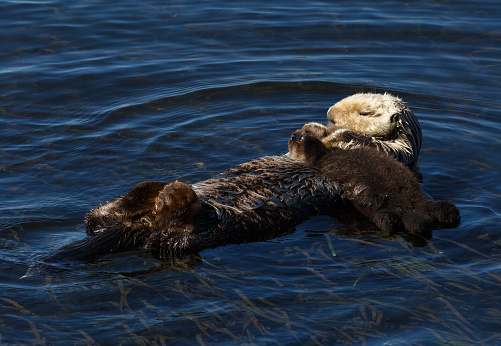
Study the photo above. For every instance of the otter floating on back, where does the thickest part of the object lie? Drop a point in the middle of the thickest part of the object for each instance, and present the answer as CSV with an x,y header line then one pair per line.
x,y
257,200
379,121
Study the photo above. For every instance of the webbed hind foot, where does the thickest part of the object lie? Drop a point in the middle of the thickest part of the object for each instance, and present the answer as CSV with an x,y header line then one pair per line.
x,y
417,223
125,210
444,213
388,220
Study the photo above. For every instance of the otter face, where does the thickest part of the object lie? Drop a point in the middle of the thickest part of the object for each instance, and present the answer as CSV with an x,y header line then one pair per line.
x,y
374,115
305,147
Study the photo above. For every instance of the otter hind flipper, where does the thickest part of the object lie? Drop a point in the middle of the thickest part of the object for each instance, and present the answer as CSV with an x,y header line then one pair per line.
x,y
445,214
429,216
176,206
388,220
130,208
417,223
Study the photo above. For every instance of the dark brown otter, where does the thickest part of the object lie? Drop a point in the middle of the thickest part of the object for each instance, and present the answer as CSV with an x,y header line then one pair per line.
x,y
377,185
254,201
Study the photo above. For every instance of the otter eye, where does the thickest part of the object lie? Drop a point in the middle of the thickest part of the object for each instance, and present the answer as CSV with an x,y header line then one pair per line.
x,y
364,114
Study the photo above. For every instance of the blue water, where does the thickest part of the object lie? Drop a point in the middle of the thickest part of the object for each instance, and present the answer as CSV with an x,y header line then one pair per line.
x,y
97,96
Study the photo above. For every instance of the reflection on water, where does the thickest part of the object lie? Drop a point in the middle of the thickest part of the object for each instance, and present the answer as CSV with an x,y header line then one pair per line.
x,y
96,97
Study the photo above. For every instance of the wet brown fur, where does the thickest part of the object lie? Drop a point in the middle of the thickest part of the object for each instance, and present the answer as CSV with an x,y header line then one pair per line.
x,y
153,204
379,121
377,185
257,200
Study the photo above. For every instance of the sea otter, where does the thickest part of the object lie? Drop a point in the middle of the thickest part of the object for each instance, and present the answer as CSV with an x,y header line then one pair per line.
x,y
254,201
377,185
380,121
257,200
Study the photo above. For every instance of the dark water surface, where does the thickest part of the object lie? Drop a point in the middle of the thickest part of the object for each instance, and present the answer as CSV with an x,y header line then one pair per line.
x,y
97,96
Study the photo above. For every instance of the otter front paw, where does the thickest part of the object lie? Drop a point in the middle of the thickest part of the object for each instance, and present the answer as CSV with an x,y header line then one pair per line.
x,y
315,129
338,138
342,138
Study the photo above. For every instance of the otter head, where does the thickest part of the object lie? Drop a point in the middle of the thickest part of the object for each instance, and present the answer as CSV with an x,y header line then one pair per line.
x,y
305,147
374,115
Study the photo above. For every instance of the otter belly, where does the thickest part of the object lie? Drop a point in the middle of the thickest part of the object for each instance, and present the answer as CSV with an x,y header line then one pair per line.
x,y
265,197
256,200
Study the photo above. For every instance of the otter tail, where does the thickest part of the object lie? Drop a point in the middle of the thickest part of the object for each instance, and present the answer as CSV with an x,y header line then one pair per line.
x,y
110,241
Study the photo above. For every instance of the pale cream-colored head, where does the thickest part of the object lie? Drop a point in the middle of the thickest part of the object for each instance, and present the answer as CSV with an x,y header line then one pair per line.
x,y
374,115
